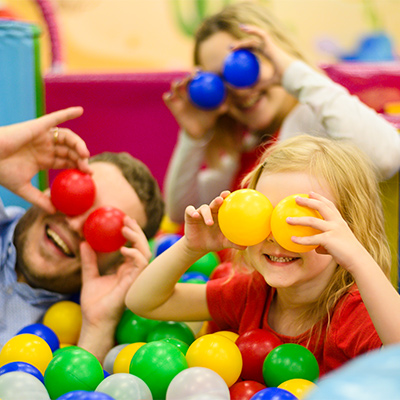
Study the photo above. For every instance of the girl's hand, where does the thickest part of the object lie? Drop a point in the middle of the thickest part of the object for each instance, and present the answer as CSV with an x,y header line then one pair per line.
x,y
202,231
262,43
193,120
336,238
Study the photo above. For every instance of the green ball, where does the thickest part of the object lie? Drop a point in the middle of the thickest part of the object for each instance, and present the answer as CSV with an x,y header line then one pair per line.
x,y
72,369
171,329
289,361
182,346
132,328
205,264
157,363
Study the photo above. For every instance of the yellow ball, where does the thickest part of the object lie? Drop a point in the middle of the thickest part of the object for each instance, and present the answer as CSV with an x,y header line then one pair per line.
x,y
244,217
283,232
28,348
124,357
65,318
228,334
217,353
298,387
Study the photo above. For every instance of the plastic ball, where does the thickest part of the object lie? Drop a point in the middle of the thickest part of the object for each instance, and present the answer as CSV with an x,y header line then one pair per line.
x,y
72,369
27,348
124,357
273,393
197,380
206,90
65,319
103,229
124,386
74,395
111,356
182,346
244,217
194,277
168,226
22,386
165,241
206,264
289,361
244,390
45,333
132,328
228,334
177,330
299,387
23,367
241,68
283,232
73,192
157,363
217,353
85,395
254,346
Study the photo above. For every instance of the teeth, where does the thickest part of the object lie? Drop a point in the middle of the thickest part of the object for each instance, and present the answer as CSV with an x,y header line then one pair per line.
x,y
250,102
280,259
59,242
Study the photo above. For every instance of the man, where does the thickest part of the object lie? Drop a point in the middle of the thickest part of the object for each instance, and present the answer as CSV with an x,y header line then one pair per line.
x,y
44,257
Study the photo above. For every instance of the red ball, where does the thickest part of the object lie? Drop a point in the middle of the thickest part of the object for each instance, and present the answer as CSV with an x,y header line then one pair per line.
x,y
245,390
73,192
254,346
102,229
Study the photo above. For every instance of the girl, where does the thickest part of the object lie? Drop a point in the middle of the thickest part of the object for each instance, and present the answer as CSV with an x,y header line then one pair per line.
x,y
335,300
216,148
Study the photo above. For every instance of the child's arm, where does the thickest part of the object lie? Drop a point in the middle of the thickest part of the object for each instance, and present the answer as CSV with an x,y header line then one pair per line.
x,y
156,294
380,297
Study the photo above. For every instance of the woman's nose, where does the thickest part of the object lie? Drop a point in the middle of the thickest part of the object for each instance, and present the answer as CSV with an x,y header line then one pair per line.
x,y
76,222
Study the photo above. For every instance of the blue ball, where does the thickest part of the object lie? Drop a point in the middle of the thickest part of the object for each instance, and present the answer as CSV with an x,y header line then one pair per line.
x,y
241,68
23,367
84,395
193,275
206,90
165,241
43,331
273,393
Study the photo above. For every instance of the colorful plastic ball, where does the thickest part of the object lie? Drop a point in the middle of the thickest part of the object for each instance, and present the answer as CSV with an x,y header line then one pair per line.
x,y
206,264
228,334
103,229
45,333
168,226
244,217
132,328
289,361
85,395
74,395
197,380
194,277
165,241
23,367
217,353
273,393
182,346
124,357
157,363
241,68
18,385
244,390
283,232
124,386
299,387
72,369
65,320
73,192
177,330
206,90
27,348
111,356
254,346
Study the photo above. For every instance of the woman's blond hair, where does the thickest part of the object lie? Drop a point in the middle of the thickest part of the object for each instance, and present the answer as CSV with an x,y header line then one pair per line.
x,y
354,185
227,131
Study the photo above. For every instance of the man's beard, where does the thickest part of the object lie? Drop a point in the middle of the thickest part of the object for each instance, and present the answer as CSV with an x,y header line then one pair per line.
x,y
34,279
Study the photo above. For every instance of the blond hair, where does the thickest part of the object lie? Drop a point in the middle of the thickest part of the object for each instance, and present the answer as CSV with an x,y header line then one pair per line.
x,y
227,131
354,185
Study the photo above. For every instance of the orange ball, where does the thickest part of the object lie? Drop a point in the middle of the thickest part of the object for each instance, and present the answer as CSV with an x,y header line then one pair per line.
x,y
65,318
244,217
283,232
218,353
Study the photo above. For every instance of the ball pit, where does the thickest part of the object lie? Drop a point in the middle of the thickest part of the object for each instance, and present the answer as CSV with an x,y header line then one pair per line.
x,y
124,357
245,390
45,333
299,387
166,329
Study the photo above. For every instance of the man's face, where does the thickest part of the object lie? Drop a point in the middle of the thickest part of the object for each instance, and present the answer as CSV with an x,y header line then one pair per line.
x,y
48,245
